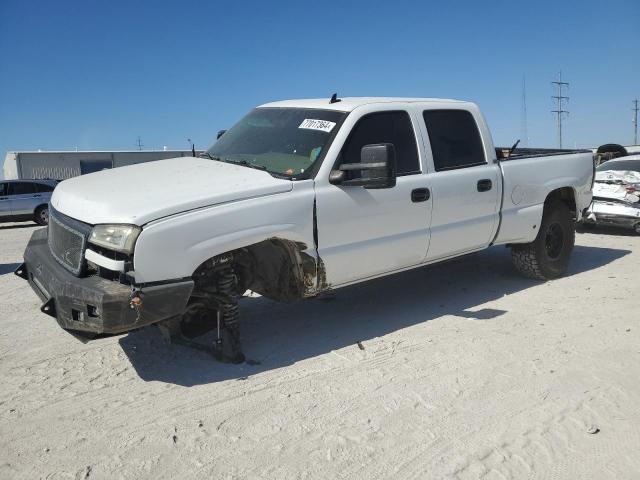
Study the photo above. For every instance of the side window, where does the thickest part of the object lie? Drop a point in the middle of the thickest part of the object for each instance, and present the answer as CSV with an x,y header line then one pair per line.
x,y
3,189
21,188
385,127
455,139
42,188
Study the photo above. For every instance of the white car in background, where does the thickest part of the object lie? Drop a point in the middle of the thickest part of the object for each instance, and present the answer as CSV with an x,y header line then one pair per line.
x,y
26,200
616,194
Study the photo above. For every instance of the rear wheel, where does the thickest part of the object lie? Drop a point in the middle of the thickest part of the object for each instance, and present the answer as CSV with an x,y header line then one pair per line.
x,y
548,255
41,215
636,228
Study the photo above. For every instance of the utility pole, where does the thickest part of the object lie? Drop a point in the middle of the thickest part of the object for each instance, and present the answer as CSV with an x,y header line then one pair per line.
x,y
559,109
635,122
139,143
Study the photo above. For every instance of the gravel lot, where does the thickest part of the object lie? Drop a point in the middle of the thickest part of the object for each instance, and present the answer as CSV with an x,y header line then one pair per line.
x,y
468,371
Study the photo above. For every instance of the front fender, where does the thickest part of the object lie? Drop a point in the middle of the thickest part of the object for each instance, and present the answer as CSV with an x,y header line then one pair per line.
x,y
175,246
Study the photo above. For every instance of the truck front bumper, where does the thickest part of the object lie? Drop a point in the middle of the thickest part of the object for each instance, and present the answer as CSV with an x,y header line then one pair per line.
x,y
94,304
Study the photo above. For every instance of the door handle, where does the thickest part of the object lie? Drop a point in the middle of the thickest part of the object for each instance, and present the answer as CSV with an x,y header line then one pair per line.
x,y
484,185
37,195
3,198
420,195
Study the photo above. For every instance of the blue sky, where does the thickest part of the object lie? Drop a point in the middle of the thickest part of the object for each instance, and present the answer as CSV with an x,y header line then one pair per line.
x,y
96,74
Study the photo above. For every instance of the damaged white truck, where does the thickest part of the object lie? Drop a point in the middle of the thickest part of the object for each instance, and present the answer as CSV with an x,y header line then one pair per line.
x,y
298,198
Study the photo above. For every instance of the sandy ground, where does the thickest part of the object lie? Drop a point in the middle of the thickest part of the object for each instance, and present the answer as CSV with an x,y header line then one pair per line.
x,y
468,371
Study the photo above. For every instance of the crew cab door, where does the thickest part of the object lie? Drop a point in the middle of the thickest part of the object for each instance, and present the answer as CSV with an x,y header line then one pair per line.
x,y
364,232
466,188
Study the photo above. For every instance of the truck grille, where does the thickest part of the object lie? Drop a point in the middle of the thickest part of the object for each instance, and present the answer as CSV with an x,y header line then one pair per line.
x,y
66,243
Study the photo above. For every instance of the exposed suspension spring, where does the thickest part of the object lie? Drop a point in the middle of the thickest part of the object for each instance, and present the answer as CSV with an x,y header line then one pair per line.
x,y
228,288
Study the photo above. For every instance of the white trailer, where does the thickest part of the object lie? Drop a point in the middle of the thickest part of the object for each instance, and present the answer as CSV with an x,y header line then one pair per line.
x,y
63,165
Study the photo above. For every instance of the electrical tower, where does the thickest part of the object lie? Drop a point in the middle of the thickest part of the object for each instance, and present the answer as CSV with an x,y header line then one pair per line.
x,y
139,143
560,99
635,122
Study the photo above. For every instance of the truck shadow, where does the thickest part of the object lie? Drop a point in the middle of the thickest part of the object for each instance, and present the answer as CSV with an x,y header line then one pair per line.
x,y
12,226
606,230
276,335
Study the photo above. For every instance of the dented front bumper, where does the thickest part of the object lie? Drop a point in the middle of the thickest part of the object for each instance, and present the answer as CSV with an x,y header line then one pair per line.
x,y
94,304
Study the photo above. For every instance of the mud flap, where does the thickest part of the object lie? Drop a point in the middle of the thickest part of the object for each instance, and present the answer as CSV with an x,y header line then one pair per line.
x,y
49,307
21,272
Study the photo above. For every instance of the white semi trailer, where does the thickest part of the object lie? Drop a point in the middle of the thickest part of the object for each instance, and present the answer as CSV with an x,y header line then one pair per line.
x,y
63,165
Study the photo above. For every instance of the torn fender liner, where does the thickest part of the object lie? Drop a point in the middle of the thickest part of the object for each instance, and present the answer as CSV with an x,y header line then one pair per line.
x,y
94,304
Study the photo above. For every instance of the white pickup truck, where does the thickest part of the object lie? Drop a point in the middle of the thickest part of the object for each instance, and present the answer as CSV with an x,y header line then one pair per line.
x,y
298,198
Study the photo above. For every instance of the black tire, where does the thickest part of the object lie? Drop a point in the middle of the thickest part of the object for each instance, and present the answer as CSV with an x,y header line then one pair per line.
x,y
636,228
41,215
617,150
547,257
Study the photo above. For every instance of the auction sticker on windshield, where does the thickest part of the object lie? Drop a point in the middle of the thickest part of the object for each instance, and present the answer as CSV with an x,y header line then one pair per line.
x,y
322,125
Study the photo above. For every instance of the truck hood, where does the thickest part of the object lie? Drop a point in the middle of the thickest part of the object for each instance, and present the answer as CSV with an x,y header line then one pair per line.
x,y
138,194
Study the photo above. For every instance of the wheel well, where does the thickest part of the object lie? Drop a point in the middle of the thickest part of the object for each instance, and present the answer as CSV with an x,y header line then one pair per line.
x,y
41,205
275,268
565,195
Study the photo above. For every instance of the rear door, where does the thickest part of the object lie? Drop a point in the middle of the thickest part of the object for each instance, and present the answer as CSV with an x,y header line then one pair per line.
x,y
5,202
24,197
465,184
367,232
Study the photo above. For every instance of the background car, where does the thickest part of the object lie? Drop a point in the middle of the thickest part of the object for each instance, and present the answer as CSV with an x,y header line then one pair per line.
x,y
25,200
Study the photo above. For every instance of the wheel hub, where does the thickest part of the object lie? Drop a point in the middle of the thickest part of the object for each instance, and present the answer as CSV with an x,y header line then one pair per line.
x,y
554,240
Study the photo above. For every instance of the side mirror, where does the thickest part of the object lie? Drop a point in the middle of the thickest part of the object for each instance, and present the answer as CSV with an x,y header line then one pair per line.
x,y
377,168
220,133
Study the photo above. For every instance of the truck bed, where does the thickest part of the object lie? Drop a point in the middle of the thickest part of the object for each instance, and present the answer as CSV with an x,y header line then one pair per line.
x,y
520,153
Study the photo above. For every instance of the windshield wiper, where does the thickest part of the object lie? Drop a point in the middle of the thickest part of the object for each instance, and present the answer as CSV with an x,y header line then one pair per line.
x,y
244,163
208,155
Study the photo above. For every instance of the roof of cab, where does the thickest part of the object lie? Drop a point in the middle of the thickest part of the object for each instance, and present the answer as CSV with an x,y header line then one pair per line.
x,y
348,104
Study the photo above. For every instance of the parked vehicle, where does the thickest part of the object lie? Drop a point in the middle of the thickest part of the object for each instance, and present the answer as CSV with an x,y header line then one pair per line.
x,y
25,200
298,198
616,194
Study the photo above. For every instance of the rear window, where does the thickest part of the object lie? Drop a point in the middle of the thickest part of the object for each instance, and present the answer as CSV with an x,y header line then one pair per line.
x,y
620,165
22,188
3,189
455,139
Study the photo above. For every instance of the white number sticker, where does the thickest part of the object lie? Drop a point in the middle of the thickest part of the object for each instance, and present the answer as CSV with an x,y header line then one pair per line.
x,y
322,125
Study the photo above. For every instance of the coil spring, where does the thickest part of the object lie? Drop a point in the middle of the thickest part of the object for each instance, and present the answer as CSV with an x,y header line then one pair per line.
x,y
228,287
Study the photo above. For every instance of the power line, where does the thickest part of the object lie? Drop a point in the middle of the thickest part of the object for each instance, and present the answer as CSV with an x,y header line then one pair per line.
x,y
635,122
559,109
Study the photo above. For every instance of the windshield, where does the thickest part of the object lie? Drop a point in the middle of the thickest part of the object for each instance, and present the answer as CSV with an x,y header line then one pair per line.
x,y
620,165
284,141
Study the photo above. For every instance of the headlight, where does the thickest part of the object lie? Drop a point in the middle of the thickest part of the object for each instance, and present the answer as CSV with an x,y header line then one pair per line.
x,y
120,238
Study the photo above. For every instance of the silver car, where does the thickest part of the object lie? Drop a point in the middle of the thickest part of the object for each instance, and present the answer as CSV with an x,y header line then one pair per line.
x,y
25,200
